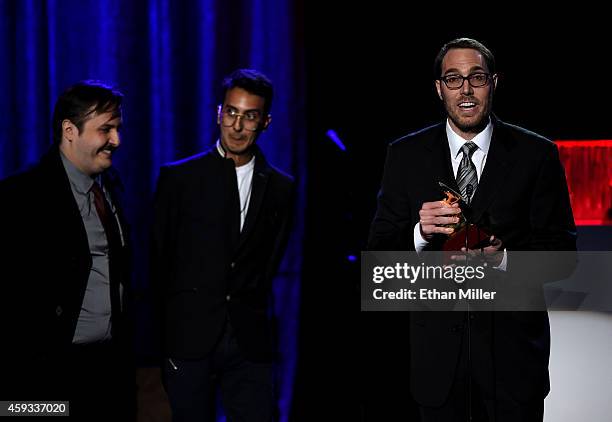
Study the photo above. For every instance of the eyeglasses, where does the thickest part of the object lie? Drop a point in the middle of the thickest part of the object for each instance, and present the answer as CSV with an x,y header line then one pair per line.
x,y
250,120
476,80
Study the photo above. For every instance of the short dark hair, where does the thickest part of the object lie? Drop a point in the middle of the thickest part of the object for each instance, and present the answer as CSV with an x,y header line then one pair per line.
x,y
463,43
252,81
81,101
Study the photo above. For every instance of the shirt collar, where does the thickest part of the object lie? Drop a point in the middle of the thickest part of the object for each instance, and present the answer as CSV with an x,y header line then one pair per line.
x,y
78,179
220,149
482,140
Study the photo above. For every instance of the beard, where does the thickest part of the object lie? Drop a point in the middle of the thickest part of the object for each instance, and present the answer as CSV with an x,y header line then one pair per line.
x,y
469,125
473,124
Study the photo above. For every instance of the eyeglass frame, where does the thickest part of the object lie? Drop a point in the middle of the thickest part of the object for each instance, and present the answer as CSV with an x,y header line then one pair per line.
x,y
220,112
489,78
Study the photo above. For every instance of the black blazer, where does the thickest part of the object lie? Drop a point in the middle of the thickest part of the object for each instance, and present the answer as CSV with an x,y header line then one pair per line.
x,y
45,264
204,270
522,197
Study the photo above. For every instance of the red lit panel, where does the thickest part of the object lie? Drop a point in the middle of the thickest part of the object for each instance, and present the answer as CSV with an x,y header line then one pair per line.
x,y
588,168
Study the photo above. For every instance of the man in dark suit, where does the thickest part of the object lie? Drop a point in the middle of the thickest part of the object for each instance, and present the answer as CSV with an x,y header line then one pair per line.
x,y
65,266
490,366
220,229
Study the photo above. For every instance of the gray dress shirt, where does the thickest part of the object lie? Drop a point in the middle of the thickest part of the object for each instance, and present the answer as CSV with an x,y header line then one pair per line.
x,y
94,323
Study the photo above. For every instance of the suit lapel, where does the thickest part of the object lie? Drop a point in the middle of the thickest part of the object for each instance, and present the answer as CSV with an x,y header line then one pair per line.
x,y
261,175
440,164
66,215
65,205
231,205
500,160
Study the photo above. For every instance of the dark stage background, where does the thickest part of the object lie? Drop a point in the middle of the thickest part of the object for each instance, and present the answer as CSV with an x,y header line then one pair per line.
x,y
364,72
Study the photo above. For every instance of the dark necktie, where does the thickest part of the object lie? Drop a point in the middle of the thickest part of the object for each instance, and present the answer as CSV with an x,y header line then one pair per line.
x,y
466,174
113,237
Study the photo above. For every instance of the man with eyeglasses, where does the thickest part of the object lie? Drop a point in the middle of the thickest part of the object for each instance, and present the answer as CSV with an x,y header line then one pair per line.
x,y
481,366
221,224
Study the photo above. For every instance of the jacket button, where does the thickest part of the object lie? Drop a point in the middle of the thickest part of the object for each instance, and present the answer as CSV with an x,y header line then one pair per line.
x,y
58,310
228,297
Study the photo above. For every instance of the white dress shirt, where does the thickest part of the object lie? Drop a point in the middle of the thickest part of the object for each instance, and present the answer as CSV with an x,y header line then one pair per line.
x,y
244,176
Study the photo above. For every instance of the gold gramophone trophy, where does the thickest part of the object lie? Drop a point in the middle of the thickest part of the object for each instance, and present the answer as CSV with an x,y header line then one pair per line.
x,y
465,233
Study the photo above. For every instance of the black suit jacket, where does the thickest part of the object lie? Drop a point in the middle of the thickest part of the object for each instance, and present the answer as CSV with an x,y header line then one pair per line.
x,y
205,269
45,264
522,197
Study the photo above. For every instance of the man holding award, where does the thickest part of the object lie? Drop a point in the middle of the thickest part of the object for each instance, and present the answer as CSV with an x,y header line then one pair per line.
x,y
503,185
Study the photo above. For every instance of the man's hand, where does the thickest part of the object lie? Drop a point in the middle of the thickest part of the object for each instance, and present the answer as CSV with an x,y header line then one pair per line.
x,y
492,254
434,215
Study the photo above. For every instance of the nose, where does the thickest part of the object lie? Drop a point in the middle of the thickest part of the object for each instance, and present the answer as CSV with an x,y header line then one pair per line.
x,y
466,88
115,138
237,126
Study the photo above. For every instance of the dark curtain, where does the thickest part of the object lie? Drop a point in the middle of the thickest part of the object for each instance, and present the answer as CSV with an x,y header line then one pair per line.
x,y
168,58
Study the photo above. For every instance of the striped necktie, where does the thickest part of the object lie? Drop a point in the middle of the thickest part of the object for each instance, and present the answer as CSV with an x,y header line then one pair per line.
x,y
466,174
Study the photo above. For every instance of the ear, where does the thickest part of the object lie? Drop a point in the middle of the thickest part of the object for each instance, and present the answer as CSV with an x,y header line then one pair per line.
x,y
69,130
219,114
494,81
267,122
439,89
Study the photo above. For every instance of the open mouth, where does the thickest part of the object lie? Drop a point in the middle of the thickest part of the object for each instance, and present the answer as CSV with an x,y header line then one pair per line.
x,y
467,105
107,151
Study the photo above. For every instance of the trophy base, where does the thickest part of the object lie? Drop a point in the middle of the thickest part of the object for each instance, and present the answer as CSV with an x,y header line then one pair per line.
x,y
476,237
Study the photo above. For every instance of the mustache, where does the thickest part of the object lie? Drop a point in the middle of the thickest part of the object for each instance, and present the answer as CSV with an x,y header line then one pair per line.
x,y
468,100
